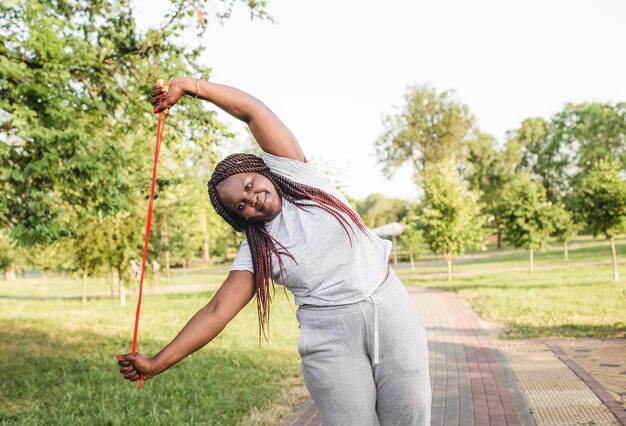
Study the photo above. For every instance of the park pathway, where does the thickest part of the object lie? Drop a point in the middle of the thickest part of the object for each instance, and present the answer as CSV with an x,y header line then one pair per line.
x,y
478,381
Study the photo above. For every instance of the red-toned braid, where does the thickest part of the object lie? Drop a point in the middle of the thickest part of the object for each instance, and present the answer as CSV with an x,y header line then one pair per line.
x,y
262,244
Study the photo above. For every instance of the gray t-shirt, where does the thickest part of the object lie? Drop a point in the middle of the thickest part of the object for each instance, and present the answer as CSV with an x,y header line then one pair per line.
x,y
328,270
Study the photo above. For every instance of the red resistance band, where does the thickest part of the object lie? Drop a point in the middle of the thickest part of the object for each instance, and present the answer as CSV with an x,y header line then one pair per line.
x,y
139,383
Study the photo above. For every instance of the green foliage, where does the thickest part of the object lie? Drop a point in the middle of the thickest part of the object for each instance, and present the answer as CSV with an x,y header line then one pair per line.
x,y
591,132
525,213
541,153
564,227
559,151
377,210
600,199
451,219
411,239
76,130
430,127
488,170
8,256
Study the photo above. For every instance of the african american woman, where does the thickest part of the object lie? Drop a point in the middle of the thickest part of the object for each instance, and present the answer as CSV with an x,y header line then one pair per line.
x,y
362,345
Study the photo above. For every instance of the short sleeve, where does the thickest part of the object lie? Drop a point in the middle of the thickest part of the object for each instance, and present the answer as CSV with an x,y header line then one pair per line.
x,y
243,260
291,169
300,172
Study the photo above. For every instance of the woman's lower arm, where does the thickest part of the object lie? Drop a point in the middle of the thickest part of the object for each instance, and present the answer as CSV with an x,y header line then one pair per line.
x,y
203,327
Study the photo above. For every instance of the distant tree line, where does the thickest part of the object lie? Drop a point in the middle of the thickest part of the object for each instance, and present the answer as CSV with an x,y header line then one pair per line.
x,y
549,177
77,138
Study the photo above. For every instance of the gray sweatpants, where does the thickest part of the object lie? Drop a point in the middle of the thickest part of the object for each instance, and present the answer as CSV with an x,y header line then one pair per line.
x,y
367,361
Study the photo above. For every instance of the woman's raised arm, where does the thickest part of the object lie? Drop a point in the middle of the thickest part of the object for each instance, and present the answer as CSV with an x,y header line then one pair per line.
x,y
204,326
270,133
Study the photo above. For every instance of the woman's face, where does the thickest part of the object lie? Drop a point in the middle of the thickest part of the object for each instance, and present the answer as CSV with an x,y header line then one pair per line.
x,y
251,196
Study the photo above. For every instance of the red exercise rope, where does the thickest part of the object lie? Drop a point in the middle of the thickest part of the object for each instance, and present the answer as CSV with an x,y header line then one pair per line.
x,y
161,124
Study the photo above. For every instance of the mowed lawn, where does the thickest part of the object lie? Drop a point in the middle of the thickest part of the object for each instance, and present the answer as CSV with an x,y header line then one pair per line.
x,y
57,360
58,365
568,301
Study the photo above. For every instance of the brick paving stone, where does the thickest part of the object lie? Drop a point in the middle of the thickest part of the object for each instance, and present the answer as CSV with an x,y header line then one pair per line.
x,y
604,359
554,393
596,370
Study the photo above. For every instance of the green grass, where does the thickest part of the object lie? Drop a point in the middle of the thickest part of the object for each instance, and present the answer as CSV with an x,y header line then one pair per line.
x,y
57,360
55,285
57,363
583,249
572,302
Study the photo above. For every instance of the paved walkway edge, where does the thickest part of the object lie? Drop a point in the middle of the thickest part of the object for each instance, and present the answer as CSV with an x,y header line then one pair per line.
x,y
298,413
616,409
518,396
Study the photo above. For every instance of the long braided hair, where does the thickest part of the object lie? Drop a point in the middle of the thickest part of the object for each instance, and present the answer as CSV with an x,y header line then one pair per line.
x,y
262,244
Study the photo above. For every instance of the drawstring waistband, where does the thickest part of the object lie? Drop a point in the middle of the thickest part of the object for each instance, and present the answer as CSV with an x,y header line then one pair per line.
x,y
375,300
380,292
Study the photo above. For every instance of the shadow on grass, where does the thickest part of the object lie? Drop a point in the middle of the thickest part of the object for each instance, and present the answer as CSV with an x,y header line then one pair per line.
x,y
525,331
66,378
554,254
457,287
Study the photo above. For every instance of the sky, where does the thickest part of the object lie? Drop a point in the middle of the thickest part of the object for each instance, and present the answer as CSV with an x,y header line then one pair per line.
x,y
330,69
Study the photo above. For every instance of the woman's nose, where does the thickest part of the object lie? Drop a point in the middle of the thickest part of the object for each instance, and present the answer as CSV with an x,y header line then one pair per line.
x,y
251,199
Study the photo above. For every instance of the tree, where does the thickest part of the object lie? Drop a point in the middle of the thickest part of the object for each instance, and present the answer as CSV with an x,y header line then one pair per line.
x,y
488,169
592,132
526,215
74,118
542,154
411,239
430,128
451,218
8,258
73,82
377,210
87,250
564,226
600,202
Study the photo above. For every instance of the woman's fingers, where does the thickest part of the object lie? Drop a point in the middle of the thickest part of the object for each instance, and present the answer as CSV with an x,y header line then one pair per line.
x,y
155,99
132,375
129,370
126,369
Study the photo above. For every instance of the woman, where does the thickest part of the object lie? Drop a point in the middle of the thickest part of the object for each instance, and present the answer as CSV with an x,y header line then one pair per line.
x,y
363,347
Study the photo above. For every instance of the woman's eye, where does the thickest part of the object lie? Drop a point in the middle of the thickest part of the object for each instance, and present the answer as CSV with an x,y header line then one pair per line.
x,y
240,206
248,186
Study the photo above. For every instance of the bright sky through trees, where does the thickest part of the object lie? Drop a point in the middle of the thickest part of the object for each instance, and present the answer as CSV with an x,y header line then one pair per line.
x,y
330,69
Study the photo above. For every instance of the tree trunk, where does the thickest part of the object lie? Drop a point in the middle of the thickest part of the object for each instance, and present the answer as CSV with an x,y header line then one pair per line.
x,y
499,238
532,261
114,281
166,246
85,285
395,254
614,256
9,274
122,289
411,258
565,251
448,257
226,245
205,246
